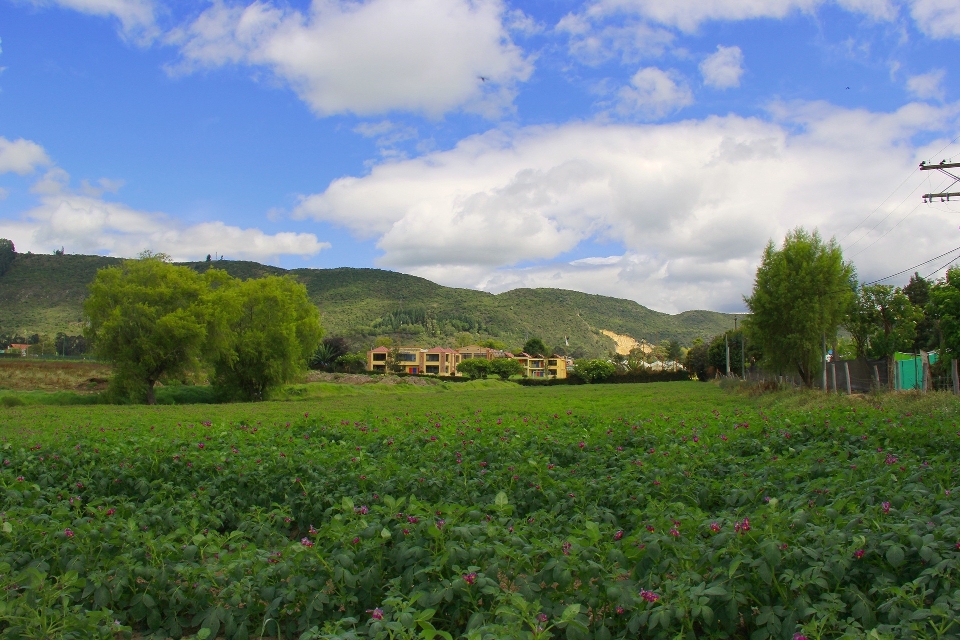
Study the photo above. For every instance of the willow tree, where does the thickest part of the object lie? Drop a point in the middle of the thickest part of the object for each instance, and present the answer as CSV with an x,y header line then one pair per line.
x,y
146,318
262,334
800,296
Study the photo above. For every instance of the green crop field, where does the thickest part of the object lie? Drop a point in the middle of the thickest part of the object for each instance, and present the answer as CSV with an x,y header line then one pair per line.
x,y
484,510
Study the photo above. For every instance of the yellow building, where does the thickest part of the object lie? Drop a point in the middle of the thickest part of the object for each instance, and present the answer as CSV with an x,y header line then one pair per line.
x,y
539,367
441,361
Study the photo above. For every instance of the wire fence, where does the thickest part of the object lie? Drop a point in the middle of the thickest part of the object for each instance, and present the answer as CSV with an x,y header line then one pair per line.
x,y
865,375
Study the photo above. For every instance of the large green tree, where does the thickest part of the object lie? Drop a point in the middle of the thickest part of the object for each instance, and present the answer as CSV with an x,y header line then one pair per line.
x,y
945,309
800,296
263,333
474,367
697,359
918,291
147,318
882,321
535,347
505,367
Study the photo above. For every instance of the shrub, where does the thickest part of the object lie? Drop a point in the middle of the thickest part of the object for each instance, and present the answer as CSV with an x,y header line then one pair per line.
x,y
594,370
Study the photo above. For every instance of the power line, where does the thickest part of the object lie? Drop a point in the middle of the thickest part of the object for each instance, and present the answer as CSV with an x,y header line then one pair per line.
x,y
882,220
857,226
884,234
914,267
952,260
880,205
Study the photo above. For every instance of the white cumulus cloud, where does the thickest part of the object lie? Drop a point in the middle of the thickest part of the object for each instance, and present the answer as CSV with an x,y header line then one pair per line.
x,y
21,156
85,224
653,93
688,15
937,18
137,17
927,85
630,40
427,56
691,204
722,70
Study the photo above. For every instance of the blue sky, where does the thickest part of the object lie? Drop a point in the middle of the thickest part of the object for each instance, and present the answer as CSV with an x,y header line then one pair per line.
x,y
637,148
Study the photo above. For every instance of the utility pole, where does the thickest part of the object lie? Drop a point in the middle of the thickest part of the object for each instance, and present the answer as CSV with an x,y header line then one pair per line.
x,y
726,339
942,168
825,363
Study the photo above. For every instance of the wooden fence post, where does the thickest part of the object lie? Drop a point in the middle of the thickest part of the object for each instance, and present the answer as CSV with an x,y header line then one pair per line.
x,y
846,374
956,378
876,376
833,372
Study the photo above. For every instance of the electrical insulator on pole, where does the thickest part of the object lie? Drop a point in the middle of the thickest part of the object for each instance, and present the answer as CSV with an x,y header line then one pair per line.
x,y
946,194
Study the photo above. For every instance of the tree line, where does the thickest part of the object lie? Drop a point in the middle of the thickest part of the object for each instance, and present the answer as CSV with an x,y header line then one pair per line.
x,y
155,321
805,295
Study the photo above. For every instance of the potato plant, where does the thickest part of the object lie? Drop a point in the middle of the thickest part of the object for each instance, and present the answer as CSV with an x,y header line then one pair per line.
x,y
743,522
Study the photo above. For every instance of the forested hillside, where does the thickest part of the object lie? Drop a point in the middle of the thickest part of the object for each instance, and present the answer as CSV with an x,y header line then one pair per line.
x,y
43,294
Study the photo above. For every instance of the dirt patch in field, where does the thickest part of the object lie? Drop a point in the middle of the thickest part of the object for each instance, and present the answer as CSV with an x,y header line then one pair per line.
x,y
46,375
357,378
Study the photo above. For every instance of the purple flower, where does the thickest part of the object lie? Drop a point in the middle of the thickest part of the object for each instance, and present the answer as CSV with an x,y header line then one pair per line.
x,y
356,540
798,635
542,617
618,534
305,541
714,527
649,596
68,532
376,614
200,445
858,554
440,523
470,578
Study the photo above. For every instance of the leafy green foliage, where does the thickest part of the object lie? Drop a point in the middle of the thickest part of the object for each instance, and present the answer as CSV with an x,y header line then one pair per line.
x,y
475,367
328,352
883,321
918,292
698,359
66,345
7,254
266,329
945,308
800,296
535,347
741,352
505,367
146,318
594,370
659,513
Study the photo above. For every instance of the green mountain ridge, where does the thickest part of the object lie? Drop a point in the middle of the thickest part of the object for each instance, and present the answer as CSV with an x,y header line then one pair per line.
x,y
44,294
